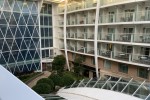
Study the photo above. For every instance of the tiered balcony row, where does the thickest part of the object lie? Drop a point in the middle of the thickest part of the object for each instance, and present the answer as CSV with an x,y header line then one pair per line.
x,y
126,37
109,18
83,4
114,2
81,19
125,17
129,57
80,36
82,49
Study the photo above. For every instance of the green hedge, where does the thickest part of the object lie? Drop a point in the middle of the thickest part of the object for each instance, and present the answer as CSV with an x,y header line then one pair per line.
x,y
48,81
67,79
27,77
42,88
56,79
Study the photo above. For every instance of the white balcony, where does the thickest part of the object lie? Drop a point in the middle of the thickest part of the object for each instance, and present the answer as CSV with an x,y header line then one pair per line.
x,y
142,38
122,56
60,22
60,9
141,59
112,2
105,53
81,5
125,17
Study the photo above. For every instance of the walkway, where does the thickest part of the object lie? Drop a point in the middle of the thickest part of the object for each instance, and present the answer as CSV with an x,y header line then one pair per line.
x,y
33,82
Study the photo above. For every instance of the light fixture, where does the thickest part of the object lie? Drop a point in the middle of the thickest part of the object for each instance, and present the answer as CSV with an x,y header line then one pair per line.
x,y
25,3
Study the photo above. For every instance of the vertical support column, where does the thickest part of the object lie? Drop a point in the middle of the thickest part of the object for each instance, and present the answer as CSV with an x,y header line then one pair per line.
x,y
40,3
65,40
95,37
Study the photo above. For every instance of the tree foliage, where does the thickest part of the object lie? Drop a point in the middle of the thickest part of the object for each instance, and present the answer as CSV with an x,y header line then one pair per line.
x,y
67,79
48,81
78,65
58,63
56,79
42,88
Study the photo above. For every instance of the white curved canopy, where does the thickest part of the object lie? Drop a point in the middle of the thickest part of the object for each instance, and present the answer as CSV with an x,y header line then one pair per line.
x,y
12,88
84,93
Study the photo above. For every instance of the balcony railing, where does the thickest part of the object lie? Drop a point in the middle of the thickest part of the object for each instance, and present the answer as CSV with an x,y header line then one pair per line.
x,y
107,36
86,50
72,21
90,51
125,17
105,53
82,5
91,20
82,36
71,35
143,16
72,48
122,56
142,59
82,49
142,38
108,2
82,20
62,46
110,18
124,37
60,35
61,10
60,22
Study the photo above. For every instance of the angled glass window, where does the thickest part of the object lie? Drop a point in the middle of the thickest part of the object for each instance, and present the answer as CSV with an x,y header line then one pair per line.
x,y
123,68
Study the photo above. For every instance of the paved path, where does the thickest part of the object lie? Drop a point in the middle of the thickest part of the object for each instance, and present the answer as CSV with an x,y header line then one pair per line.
x,y
33,82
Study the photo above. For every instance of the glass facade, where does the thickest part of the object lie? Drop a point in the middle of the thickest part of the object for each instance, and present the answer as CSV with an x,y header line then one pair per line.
x,y
46,30
123,68
19,35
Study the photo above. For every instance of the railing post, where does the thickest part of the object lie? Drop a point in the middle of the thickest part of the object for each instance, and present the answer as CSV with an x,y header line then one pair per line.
x,y
80,83
130,57
96,82
88,82
105,83
147,97
111,54
132,36
138,88
127,85
72,84
112,37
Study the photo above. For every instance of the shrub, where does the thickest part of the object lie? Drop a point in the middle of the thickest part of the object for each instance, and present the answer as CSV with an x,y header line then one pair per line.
x,y
67,79
48,81
56,79
59,63
42,88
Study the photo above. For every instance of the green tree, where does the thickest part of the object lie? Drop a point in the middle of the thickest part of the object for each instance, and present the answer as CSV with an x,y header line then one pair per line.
x,y
48,81
58,63
67,79
78,65
42,88
56,79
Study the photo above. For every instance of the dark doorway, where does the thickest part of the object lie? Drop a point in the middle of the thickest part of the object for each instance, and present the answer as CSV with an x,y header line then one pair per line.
x,y
86,73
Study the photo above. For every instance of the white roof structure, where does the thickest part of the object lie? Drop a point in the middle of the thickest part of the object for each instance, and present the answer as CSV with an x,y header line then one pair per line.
x,y
109,88
83,93
12,88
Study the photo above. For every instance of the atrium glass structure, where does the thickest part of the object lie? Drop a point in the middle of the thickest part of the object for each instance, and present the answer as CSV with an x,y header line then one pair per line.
x,y
19,35
122,85
46,30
